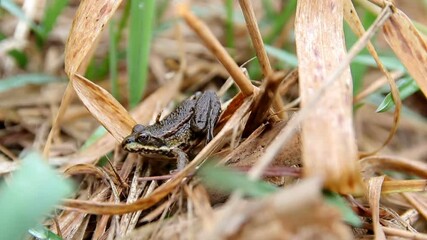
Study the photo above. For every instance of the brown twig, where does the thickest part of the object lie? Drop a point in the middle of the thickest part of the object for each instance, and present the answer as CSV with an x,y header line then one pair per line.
x,y
252,26
217,49
8,153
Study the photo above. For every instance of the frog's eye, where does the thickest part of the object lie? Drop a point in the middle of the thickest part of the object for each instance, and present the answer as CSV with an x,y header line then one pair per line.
x,y
138,128
143,137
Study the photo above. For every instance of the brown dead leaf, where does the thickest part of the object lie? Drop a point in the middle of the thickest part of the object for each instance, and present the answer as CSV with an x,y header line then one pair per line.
x,y
7,167
90,20
419,203
409,46
370,165
88,23
250,150
375,184
104,107
297,212
401,186
328,135
84,169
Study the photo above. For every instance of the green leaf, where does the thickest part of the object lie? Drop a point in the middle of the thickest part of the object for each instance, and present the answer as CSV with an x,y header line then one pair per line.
x,y
30,195
281,20
25,79
282,55
407,87
113,63
98,69
291,59
20,58
268,7
347,213
229,24
99,133
389,62
52,11
43,233
140,33
227,180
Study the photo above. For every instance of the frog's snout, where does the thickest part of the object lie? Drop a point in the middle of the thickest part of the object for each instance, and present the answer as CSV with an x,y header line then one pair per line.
x,y
127,140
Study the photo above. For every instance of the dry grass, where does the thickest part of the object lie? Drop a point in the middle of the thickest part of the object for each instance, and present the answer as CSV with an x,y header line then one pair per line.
x,y
297,129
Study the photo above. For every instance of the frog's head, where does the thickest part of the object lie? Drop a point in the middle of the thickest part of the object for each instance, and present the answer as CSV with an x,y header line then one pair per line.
x,y
142,140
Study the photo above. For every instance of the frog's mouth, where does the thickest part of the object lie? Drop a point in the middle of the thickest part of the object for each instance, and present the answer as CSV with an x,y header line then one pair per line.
x,y
133,147
146,150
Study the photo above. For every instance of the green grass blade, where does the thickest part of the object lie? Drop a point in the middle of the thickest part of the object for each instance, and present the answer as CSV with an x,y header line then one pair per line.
x,y
406,86
42,233
389,62
16,11
269,8
98,69
113,55
161,7
123,22
227,180
291,59
25,79
20,57
229,24
286,57
280,21
96,135
32,192
52,11
347,213
140,27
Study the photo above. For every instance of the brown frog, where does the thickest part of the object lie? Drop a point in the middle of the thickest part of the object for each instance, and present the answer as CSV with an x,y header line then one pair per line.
x,y
179,131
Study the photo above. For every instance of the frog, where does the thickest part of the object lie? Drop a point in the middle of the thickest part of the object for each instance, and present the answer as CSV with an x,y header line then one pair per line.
x,y
179,132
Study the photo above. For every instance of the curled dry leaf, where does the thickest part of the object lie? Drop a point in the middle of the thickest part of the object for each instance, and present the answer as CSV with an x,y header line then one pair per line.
x,y
418,202
375,184
104,107
217,49
88,23
89,169
250,150
381,163
328,135
354,22
90,20
409,46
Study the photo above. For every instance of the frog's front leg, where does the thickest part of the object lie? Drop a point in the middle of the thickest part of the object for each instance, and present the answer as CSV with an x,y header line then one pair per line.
x,y
206,114
181,158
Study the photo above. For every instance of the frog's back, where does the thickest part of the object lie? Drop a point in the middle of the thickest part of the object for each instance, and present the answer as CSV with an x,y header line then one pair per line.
x,y
175,120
